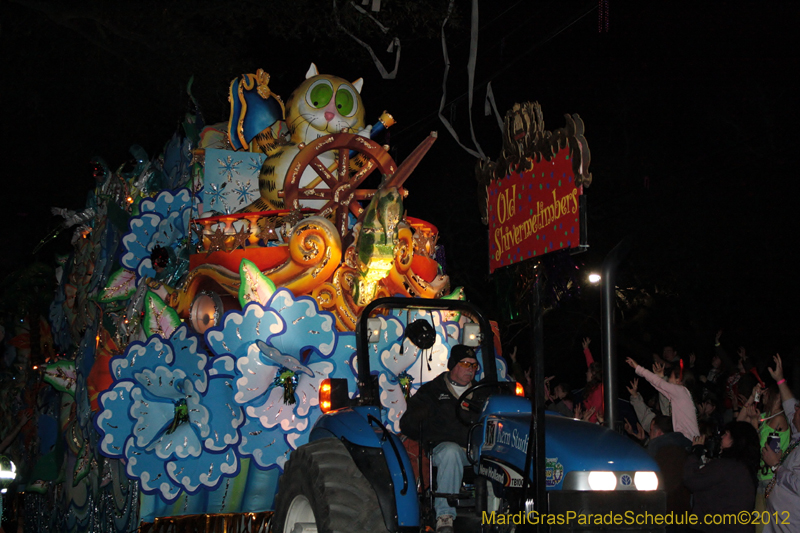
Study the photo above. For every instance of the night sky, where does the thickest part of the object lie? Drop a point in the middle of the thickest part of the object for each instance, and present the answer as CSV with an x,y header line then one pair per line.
x,y
689,111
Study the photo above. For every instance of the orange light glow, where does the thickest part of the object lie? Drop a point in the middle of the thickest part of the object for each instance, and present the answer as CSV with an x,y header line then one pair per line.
x,y
519,390
325,395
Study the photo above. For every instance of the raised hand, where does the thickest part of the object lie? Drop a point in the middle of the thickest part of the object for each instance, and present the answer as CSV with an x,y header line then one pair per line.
x,y
776,374
633,364
716,337
658,369
634,388
585,343
742,353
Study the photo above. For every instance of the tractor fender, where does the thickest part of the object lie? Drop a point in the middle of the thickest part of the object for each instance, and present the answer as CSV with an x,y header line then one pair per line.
x,y
349,423
381,458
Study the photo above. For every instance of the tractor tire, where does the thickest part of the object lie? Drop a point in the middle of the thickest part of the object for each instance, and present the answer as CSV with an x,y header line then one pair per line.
x,y
322,488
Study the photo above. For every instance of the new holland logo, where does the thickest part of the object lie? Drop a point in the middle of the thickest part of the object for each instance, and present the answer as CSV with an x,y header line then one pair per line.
x,y
499,474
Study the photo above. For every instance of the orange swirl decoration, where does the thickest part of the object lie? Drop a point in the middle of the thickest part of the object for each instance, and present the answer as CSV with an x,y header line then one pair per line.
x,y
403,280
325,295
346,310
404,249
315,250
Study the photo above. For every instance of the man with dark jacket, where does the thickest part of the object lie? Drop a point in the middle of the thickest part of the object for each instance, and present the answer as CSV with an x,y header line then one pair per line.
x,y
433,410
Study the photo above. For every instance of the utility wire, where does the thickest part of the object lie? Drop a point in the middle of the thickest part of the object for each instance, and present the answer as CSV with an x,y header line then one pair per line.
x,y
417,125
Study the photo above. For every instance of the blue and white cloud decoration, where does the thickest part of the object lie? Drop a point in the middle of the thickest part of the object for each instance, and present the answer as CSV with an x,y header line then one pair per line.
x,y
395,356
162,221
421,366
282,350
171,416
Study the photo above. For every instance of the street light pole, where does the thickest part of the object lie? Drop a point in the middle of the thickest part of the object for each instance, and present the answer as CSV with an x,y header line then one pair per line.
x,y
609,341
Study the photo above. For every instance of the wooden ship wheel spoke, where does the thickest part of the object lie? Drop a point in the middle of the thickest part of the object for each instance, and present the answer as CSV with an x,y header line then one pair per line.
x,y
322,171
340,191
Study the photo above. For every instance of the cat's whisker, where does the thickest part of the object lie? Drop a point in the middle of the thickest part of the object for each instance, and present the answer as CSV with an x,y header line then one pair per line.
x,y
343,125
293,124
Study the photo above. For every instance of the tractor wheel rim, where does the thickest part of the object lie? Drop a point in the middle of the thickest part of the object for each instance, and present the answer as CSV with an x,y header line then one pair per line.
x,y
300,516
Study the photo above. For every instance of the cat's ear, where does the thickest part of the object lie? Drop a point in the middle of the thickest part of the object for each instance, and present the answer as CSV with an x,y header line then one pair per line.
x,y
358,84
312,71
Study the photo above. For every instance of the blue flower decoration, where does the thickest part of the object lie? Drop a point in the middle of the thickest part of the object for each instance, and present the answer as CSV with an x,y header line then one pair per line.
x,y
283,351
171,415
162,221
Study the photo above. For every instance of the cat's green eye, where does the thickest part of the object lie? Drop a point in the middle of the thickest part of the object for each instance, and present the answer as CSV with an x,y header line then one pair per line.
x,y
320,94
345,101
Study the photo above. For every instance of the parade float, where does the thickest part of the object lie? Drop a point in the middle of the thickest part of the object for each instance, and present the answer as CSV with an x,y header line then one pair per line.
x,y
209,293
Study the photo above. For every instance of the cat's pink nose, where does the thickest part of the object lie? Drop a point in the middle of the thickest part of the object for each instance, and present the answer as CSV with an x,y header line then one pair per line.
x,y
329,115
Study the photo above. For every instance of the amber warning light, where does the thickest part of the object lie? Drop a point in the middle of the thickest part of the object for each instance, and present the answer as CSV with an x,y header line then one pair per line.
x,y
325,395
519,390
333,394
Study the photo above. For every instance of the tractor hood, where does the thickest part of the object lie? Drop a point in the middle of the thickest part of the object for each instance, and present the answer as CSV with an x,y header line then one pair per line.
x,y
570,445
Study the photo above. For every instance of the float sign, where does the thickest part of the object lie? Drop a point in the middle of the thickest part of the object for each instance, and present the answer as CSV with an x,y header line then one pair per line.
x,y
534,212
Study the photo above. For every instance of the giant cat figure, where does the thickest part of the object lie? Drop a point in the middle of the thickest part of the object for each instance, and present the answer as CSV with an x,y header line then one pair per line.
x,y
321,105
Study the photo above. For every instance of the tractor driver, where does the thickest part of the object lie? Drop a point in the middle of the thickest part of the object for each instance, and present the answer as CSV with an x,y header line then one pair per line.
x,y
433,411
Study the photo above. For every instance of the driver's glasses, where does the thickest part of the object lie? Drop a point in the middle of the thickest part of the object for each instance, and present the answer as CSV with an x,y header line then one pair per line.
x,y
473,366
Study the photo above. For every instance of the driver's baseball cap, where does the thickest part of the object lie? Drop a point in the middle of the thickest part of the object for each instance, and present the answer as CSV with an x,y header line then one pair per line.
x,y
459,352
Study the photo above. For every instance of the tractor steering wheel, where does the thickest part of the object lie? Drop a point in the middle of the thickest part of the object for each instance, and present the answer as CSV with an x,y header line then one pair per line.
x,y
474,405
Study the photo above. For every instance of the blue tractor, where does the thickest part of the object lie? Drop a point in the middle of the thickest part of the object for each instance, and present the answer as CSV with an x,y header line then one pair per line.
x,y
354,475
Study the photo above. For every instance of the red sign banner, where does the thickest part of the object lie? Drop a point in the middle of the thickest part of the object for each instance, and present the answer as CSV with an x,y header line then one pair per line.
x,y
534,212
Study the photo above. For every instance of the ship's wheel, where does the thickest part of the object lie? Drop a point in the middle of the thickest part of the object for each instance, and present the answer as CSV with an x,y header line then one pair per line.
x,y
342,194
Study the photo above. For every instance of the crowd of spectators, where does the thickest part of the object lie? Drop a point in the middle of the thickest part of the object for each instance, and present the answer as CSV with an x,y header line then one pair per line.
x,y
722,433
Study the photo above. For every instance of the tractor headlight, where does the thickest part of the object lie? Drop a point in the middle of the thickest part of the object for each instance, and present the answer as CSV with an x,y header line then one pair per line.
x,y
602,480
645,481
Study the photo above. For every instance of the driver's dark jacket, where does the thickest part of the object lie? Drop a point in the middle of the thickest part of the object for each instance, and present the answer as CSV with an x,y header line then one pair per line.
x,y
434,406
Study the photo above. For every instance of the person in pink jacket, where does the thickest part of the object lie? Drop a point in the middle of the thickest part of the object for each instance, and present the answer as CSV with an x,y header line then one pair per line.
x,y
684,413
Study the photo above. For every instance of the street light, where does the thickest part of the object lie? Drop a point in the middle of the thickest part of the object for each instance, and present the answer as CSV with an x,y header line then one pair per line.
x,y
594,278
